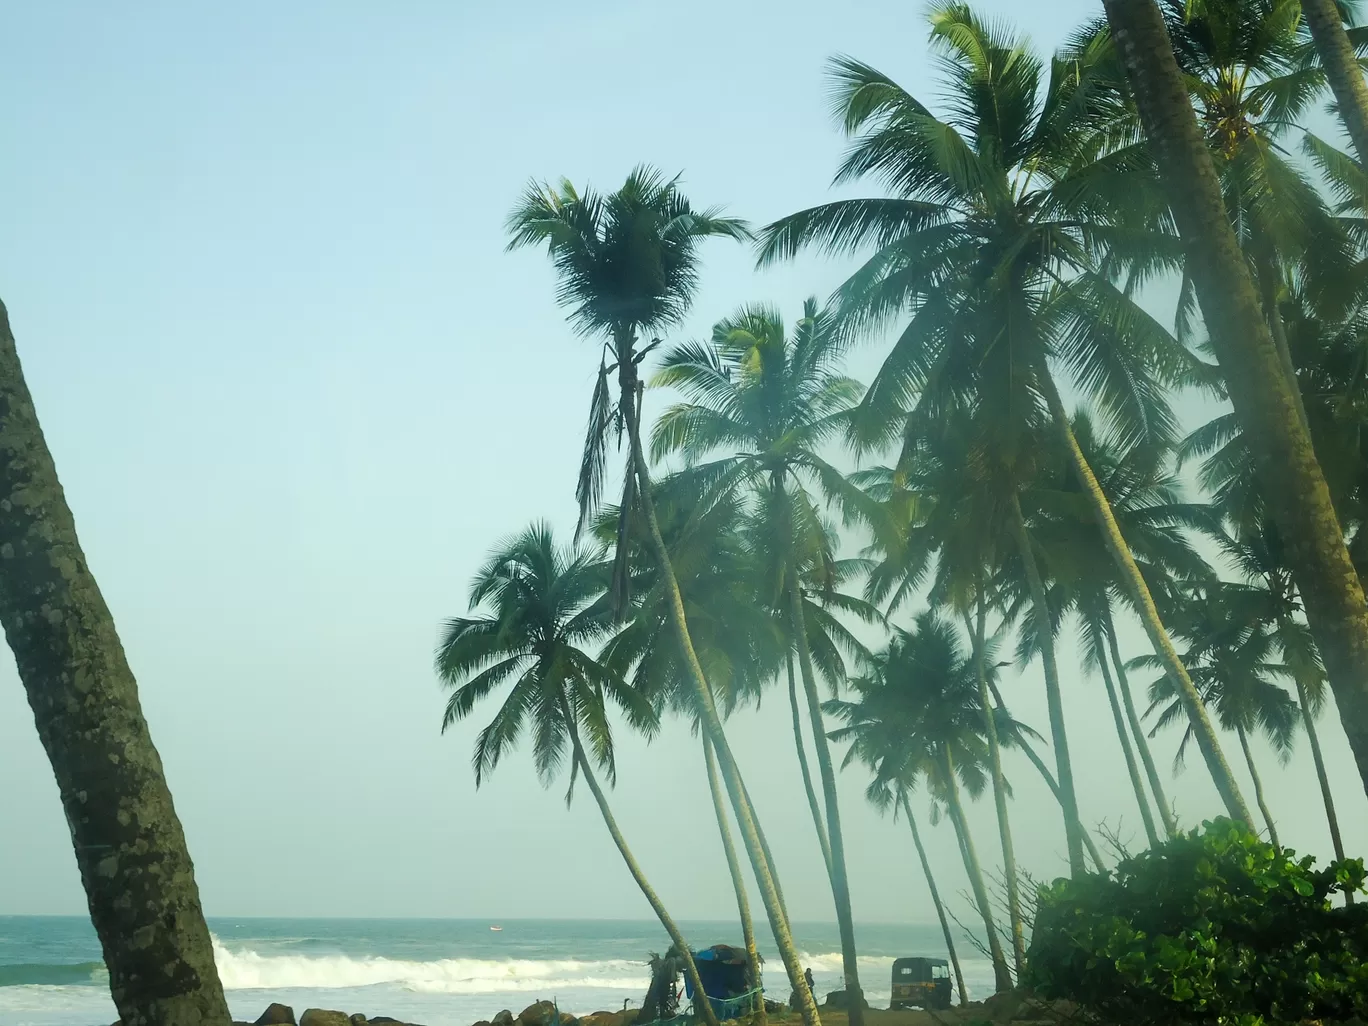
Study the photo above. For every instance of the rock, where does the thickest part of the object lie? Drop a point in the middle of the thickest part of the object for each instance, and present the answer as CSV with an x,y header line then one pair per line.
x,y
504,1018
837,999
359,1020
602,1019
482,1022
543,1013
277,1014
324,1017
630,1016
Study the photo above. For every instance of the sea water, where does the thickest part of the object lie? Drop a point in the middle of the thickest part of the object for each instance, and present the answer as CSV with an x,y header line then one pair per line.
x,y
438,972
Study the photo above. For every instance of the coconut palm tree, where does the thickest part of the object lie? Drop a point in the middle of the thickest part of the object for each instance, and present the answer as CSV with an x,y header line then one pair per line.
x,y
1232,653
769,401
916,713
1263,398
545,604
628,267
1326,20
1018,224
130,848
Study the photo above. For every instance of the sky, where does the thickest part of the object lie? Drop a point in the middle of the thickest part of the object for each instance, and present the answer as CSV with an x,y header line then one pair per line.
x,y
254,260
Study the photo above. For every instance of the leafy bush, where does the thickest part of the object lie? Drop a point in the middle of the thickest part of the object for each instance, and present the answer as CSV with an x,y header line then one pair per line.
x,y
1213,927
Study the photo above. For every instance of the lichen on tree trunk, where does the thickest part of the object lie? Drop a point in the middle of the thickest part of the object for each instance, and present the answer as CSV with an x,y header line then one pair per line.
x,y
130,848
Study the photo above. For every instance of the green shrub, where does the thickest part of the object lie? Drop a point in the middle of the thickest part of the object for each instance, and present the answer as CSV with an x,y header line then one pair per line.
x,y
1213,927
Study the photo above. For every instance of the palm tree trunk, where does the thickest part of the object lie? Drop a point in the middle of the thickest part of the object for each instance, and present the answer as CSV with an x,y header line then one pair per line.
x,y
1285,460
710,721
738,881
936,900
1258,785
1309,721
1123,735
1073,826
130,848
1002,976
1134,581
977,630
1268,285
1138,733
1341,68
701,1001
803,767
840,881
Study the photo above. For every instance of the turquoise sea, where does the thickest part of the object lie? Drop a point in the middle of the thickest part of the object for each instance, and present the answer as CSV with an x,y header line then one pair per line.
x,y
439,972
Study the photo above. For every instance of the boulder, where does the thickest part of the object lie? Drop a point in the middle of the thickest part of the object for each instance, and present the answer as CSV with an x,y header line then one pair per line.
x,y
504,1018
602,1019
630,1016
482,1022
324,1017
359,1020
277,1014
542,1013
838,999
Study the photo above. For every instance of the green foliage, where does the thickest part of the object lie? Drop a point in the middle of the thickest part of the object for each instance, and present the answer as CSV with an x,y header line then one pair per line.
x,y
1214,927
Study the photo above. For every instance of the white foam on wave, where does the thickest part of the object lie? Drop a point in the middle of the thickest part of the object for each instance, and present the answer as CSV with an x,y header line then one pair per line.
x,y
246,969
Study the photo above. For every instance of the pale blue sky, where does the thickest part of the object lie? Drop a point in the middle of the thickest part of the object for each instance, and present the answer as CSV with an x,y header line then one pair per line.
x,y
253,255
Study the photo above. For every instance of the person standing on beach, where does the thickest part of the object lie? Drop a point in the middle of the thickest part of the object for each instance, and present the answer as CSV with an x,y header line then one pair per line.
x,y
807,975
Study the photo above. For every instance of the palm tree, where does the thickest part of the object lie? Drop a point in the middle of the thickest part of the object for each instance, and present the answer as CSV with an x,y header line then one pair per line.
x,y
917,714
130,848
1263,397
628,266
1015,218
545,605
770,402
1326,20
1232,654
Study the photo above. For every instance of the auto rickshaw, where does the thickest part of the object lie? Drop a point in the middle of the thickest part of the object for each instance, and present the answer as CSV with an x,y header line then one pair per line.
x,y
921,983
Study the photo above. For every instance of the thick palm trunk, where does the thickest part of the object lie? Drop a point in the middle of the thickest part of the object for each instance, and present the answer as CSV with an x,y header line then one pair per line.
x,y
1123,735
936,900
1002,976
130,848
1309,721
1134,582
977,631
1138,734
1285,461
710,721
813,807
1073,826
1258,786
657,906
1341,68
840,881
738,881
1269,285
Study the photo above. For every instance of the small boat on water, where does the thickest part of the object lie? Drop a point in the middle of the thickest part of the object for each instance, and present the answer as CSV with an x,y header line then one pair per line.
x,y
496,929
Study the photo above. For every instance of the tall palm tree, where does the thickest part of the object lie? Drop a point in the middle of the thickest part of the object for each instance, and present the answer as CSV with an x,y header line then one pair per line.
x,y
1015,233
130,848
917,714
1326,20
545,604
1232,653
770,401
1264,399
628,266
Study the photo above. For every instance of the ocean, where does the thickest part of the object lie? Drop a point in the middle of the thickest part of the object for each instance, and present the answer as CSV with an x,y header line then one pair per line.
x,y
439,972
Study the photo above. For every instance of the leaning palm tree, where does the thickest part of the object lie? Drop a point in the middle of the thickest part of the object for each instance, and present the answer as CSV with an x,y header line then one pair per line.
x,y
1019,221
130,848
1264,399
628,266
917,712
545,604
1326,21
759,405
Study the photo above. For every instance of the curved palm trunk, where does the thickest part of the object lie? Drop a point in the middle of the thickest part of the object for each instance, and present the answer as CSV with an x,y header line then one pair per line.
x,y
1258,786
807,773
1134,582
1309,721
1123,735
1268,284
657,906
710,720
1294,484
1073,826
1002,976
840,882
1341,68
1009,867
936,900
1138,733
738,881
130,848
